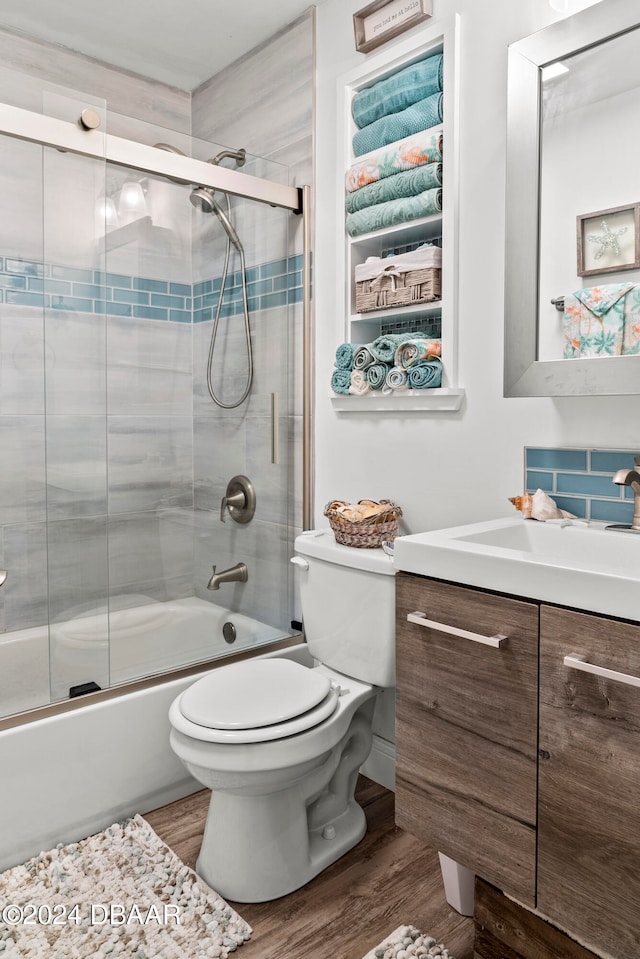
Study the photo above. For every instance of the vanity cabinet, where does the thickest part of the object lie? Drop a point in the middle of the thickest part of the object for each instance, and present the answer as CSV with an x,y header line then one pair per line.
x,y
589,780
521,761
466,727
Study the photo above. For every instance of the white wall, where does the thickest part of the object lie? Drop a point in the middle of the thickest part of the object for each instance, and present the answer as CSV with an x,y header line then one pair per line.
x,y
445,468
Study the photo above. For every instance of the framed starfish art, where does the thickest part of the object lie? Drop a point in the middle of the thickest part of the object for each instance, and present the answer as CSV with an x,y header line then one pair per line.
x,y
609,240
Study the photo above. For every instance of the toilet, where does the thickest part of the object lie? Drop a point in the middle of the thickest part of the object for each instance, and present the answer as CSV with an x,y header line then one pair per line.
x,y
280,744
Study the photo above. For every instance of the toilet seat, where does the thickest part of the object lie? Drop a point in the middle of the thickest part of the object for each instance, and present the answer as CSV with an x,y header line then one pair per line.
x,y
258,701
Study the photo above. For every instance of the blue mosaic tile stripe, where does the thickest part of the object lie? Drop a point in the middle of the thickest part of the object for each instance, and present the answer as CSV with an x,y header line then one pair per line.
x,y
23,282
581,481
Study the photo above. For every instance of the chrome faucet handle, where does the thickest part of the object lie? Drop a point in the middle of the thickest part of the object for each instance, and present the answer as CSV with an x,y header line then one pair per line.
x,y
238,500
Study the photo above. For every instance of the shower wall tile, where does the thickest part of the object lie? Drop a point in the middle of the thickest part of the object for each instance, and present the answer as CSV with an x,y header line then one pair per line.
x,y
75,363
22,490
21,361
149,367
24,556
77,567
151,555
213,471
149,463
76,466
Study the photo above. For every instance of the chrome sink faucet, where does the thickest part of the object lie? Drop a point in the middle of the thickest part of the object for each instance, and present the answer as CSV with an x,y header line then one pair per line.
x,y
235,574
632,478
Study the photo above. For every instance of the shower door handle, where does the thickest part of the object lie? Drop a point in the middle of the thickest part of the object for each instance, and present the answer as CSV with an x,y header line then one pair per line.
x,y
3,576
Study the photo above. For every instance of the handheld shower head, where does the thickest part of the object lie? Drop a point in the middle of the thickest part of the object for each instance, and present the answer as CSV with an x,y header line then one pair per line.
x,y
204,200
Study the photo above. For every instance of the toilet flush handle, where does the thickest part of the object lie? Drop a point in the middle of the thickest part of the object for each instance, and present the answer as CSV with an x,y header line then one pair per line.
x,y
299,561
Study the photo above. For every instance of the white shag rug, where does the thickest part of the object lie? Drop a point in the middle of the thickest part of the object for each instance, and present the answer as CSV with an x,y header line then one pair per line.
x,y
405,942
121,894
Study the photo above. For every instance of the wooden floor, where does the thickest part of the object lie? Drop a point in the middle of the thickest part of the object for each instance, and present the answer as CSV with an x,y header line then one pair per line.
x,y
389,879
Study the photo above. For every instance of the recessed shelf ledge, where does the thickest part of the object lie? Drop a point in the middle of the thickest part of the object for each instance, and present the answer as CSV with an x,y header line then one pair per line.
x,y
445,399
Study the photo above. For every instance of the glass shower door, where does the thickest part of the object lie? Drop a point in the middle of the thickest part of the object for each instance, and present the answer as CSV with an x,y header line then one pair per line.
x,y
24,640
73,288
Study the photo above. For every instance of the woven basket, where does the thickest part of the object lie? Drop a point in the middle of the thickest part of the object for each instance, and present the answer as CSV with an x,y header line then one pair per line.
x,y
408,289
365,533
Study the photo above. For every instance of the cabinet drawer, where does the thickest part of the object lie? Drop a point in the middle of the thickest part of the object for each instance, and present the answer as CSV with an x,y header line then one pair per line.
x,y
466,729
589,819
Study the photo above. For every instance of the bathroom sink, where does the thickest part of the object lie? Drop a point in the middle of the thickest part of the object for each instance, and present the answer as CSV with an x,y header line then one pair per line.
x,y
585,566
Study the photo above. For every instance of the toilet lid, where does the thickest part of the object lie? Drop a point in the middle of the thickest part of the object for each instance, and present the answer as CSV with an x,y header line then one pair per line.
x,y
254,694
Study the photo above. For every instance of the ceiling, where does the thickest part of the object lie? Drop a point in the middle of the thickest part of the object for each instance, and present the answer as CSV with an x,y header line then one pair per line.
x,y
178,42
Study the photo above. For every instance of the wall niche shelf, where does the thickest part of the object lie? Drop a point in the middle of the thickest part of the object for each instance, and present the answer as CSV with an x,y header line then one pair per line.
x,y
442,228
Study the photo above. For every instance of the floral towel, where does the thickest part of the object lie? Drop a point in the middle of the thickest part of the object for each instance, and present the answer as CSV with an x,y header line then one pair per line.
x,y
413,151
602,321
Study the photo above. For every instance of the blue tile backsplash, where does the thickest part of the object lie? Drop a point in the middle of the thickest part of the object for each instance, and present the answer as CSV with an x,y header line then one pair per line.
x,y
29,283
580,480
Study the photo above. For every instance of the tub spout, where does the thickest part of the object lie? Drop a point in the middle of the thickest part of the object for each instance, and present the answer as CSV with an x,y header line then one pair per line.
x,y
631,478
235,574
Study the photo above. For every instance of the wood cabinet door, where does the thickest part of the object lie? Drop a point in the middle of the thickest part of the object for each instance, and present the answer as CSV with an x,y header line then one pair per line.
x,y
466,729
589,800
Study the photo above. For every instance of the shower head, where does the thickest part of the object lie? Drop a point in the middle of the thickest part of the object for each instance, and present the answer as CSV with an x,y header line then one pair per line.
x,y
204,200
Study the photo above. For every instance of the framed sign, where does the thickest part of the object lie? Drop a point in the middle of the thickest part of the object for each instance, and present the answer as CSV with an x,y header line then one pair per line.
x,y
608,241
384,19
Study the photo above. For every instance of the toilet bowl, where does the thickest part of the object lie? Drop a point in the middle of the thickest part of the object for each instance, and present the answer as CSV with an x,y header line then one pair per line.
x,y
280,744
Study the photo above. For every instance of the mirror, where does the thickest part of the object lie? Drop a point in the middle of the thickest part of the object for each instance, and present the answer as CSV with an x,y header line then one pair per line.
x,y
572,260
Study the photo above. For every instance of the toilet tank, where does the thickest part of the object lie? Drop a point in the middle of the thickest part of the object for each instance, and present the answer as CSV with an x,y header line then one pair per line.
x,y
347,597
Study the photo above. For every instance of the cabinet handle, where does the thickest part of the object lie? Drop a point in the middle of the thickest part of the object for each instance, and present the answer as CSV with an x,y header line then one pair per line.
x,y
420,620
576,661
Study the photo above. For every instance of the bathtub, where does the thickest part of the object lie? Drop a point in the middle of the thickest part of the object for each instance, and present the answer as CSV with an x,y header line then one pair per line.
x,y
118,646
67,775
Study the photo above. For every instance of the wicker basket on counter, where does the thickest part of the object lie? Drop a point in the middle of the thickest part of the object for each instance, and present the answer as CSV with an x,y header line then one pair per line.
x,y
405,280
364,531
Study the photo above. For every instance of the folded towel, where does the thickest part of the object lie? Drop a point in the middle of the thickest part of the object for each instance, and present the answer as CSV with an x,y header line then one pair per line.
x,y
384,215
362,358
384,347
400,90
416,150
412,350
406,183
359,383
423,375
376,375
340,381
419,116
397,379
344,356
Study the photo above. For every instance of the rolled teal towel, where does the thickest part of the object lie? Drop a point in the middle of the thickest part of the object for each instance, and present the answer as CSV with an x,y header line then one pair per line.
x,y
415,82
384,347
406,183
340,381
425,375
419,116
383,215
397,379
363,357
376,375
344,356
